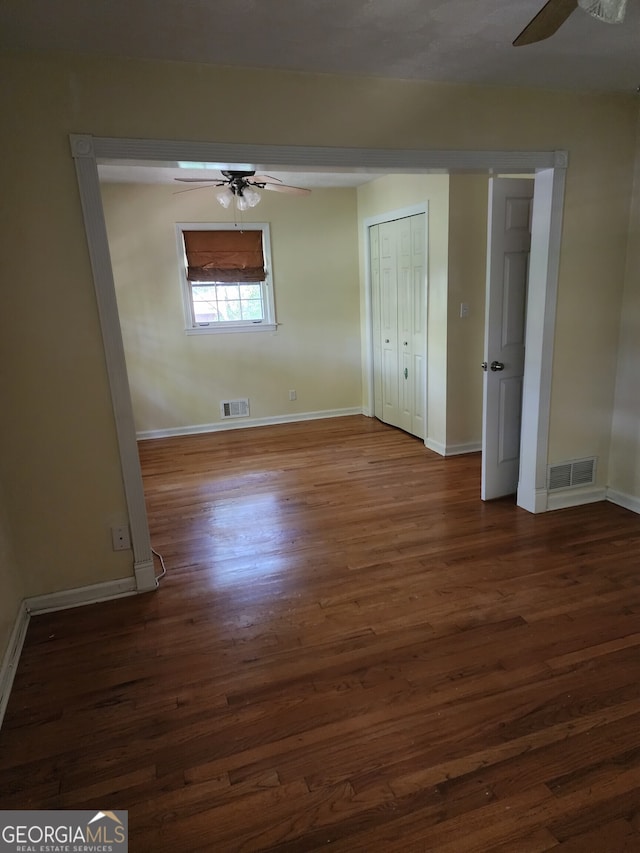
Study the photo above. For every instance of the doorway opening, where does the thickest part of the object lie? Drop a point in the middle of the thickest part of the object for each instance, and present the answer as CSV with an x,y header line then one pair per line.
x,y
550,169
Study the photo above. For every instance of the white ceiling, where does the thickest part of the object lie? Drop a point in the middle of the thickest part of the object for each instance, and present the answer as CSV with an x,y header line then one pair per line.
x,y
440,40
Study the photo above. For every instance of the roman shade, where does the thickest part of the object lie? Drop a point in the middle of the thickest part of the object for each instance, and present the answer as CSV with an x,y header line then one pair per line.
x,y
224,256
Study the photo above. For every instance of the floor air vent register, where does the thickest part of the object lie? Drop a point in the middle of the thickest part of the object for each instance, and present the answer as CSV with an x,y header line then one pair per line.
x,y
566,475
234,408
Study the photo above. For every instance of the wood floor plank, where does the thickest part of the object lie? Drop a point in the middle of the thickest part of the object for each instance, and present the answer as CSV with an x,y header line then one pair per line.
x,y
618,836
349,650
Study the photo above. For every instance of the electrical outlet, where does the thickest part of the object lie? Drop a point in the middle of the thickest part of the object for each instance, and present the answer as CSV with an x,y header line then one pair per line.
x,y
464,310
120,538
293,395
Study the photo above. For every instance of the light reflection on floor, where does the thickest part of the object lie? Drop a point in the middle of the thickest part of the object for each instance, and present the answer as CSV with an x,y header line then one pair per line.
x,y
244,537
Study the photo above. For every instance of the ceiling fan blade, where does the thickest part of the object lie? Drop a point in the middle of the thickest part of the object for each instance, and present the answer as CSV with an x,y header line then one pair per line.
x,y
263,179
200,180
284,188
548,20
191,189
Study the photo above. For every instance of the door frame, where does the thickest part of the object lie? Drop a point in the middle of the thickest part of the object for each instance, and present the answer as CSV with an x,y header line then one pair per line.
x,y
549,166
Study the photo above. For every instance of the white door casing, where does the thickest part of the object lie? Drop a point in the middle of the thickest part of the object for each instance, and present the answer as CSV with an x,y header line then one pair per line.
x,y
550,168
509,243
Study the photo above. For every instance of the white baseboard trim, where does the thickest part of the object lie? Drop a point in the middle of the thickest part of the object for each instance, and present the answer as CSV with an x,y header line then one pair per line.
x,y
244,423
145,574
564,498
452,449
436,446
49,603
623,500
81,595
461,449
533,501
11,657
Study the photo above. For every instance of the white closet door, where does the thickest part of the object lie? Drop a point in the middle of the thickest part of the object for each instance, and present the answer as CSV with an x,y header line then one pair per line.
x,y
389,325
418,332
374,270
398,269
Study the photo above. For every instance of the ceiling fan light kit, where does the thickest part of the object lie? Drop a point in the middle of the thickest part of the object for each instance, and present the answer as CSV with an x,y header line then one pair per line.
x,y
609,11
245,197
251,196
225,197
241,186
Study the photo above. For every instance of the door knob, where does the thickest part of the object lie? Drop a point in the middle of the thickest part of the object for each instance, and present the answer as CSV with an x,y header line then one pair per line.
x,y
406,373
497,365
484,365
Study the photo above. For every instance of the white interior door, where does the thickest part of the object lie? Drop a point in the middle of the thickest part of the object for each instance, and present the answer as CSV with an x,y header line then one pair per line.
x,y
509,243
412,317
398,276
390,413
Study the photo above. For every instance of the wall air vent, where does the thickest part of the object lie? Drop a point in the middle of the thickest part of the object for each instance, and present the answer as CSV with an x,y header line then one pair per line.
x,y
234,408
566,475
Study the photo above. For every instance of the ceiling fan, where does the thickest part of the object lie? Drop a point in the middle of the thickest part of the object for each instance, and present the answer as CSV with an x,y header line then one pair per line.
x,y
555,12
243,186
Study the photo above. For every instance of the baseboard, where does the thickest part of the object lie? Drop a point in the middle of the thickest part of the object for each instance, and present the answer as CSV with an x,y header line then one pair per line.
x,y
623,500
461,449
436,446
49,603
244,423
12,656
145,573
564,498
79,596
452,449
535,501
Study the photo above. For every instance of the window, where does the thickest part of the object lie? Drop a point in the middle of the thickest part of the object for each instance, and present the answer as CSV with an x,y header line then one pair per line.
x,y
226,277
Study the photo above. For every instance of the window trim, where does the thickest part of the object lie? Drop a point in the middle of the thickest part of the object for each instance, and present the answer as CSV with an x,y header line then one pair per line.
x,y
269,324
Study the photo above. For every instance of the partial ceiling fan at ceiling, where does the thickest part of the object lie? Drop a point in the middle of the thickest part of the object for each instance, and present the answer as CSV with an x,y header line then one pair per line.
x,y
243,187
555,12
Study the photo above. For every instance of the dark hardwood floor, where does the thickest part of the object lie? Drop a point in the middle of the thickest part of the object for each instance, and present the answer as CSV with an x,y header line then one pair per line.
x,y
349,650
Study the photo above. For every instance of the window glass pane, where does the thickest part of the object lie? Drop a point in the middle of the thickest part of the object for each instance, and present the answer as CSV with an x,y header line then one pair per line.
x,y
252,309
205,313
205,309
230,311
204,291
251,291
228,303
227,291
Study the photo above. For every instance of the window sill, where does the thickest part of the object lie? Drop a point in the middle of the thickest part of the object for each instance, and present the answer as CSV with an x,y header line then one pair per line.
x,y
229,330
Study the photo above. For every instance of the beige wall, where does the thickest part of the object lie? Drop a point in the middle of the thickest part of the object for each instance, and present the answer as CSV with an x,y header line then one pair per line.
x,y
11,587
588,315
624,466
468,198
178,380
389,194
58,453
